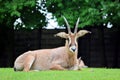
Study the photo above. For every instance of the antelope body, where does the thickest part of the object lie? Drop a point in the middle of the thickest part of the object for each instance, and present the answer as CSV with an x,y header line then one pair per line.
x,y
60,58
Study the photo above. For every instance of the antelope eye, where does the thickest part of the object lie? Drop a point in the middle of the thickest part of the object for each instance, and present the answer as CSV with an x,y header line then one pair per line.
x,y
70,45
67,39
75,44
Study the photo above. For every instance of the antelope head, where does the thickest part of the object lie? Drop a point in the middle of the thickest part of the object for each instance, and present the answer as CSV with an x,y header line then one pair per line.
x,y
71,38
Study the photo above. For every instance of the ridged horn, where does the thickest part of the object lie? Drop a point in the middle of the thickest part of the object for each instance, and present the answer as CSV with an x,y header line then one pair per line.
x,y
68,26
76,26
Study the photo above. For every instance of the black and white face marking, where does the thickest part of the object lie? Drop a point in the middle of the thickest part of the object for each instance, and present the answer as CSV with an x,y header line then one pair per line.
x,y
72,43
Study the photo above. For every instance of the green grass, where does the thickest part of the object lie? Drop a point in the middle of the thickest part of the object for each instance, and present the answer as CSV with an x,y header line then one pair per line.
x,y
84,74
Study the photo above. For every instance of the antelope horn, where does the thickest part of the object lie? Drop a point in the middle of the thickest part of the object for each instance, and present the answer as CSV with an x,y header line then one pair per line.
x,y
68,26
75,30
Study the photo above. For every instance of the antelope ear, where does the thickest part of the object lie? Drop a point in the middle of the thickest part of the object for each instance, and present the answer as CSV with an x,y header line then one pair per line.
x,y
82,33
62,35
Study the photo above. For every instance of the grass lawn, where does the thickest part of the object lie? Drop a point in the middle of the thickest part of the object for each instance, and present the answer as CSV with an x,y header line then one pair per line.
x,y
84,74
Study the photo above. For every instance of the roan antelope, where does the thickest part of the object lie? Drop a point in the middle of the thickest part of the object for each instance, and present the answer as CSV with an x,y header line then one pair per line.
x,y
61,58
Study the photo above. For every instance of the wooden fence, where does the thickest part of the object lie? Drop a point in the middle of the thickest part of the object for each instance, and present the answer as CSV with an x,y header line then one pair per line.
x,y
99,49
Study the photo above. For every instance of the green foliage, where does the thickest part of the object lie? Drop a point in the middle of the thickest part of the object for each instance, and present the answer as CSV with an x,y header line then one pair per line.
x,y
91,12
32,18
13,7
25,9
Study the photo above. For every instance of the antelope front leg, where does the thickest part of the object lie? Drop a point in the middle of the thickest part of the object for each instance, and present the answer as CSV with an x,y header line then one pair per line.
x,y
76,67
57,67
28,63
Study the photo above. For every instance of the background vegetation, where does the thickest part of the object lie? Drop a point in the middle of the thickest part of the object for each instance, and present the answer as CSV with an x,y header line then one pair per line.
x,y
91,13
